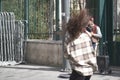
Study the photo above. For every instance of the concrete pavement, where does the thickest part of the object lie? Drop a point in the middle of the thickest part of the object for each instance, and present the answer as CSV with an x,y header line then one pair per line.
x,y
36,72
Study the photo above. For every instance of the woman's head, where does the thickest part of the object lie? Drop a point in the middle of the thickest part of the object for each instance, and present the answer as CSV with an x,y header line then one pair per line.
x,y
83,18
77,23
91,21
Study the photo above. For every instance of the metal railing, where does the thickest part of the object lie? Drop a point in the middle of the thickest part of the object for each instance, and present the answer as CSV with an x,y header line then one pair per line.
x,y
11,39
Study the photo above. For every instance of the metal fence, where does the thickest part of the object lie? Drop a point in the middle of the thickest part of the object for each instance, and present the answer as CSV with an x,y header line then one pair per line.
x,y
43,16
40,15
11,39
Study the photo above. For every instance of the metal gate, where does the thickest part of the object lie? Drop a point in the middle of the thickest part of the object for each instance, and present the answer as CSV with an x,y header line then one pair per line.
x,y
11,39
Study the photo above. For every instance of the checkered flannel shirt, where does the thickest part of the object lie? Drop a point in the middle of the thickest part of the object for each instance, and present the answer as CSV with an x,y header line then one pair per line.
x,y
81,55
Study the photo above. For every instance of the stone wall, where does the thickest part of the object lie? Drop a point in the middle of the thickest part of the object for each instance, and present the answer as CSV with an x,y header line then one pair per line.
x,y
44,52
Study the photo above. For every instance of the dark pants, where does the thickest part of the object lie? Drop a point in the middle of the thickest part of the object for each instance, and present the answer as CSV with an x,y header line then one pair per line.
x,y
94,45
77,76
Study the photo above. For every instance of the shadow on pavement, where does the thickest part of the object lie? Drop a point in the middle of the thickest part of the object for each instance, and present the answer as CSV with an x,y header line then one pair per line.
x,y
33,67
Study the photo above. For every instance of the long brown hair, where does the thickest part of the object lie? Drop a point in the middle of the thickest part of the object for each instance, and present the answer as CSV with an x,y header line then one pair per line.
x,y
77,22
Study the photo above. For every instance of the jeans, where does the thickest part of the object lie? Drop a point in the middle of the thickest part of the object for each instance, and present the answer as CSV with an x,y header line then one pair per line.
x,y
76,76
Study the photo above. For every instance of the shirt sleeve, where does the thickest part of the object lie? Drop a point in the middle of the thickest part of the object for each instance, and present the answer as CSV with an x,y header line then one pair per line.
x,y
98,34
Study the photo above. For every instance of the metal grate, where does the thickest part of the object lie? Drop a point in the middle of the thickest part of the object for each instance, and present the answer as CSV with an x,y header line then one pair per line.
x,y
11,39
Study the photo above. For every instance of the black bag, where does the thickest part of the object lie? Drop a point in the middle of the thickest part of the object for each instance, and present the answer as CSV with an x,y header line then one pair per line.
x,y
103,62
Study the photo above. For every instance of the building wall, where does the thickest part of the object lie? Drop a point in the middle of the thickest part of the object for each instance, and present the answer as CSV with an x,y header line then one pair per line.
x,y
44,52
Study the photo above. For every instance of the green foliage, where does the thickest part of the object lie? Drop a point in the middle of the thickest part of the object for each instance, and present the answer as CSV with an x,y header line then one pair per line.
x,y
38,18
16,6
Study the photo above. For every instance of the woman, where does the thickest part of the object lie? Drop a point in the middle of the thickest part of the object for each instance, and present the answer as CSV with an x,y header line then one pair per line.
x,y
79,47
95,33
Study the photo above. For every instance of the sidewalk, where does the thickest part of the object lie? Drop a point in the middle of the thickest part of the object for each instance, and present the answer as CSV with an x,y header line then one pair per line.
x,y
36,72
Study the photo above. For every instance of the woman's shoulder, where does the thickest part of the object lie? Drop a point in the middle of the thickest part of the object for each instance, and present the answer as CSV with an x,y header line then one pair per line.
x,y
84,35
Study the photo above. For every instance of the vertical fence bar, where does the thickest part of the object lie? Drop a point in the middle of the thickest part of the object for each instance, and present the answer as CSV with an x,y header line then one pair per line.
x,y
57,20
12,20
4,35
26,17
1,39
9,37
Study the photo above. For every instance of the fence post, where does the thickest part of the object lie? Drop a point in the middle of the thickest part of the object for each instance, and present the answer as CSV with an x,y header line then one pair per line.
x,y
26,18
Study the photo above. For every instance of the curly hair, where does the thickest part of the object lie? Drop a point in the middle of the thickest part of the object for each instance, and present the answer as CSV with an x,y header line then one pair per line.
x,y
77,23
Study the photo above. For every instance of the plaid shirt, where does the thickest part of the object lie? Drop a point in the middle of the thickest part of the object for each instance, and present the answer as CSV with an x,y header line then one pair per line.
x,y
81,55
